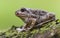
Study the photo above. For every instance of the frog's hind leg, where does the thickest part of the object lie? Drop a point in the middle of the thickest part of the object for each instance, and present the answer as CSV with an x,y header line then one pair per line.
x,y
41,24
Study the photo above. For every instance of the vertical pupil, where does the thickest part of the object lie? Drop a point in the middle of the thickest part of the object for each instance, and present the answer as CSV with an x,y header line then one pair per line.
x,y
23,9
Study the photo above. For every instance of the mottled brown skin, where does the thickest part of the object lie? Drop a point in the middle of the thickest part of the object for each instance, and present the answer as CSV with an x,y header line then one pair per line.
x,y
32,17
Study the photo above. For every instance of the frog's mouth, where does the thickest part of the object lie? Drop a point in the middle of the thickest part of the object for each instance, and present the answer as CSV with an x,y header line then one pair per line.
x,y
21,15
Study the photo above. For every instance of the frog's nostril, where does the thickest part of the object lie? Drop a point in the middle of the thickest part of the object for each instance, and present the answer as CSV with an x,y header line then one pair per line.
x,y
17,13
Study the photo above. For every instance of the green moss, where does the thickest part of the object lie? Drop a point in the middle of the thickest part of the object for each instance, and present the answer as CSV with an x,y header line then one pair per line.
x,y
45,30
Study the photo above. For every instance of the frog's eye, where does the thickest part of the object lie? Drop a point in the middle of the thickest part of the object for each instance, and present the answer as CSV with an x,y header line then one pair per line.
x,y
23,9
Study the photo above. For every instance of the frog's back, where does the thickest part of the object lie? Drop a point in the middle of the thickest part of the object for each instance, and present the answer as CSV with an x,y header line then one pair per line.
x,y
38,12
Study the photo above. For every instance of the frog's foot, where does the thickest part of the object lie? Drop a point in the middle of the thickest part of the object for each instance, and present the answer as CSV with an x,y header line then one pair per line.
x,y
19,29
22,29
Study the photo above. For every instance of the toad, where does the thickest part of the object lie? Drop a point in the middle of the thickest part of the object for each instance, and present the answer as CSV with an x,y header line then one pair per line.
x,y
33,17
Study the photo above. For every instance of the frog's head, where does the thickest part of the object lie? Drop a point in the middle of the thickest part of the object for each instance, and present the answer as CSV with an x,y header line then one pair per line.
x,y
22,13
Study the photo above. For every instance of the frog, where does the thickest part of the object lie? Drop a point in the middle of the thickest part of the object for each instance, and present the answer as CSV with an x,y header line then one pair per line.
x,y
33,17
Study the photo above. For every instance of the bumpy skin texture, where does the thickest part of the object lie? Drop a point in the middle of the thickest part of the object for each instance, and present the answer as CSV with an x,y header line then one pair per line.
x,y
33,17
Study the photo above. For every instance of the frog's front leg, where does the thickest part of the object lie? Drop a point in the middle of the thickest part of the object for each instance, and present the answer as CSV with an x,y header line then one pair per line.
x,y
30,24
27,26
